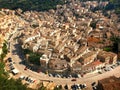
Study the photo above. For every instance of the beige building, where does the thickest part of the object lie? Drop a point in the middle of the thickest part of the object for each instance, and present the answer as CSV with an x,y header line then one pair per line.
x,y
44,61
88,58
94,66
107,57
111,83
57,64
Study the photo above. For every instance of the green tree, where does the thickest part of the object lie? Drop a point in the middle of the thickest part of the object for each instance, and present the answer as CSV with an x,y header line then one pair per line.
x,y
58,87
1,68
115,41
4,50
9,84
116,4
34,58
93,24
25,5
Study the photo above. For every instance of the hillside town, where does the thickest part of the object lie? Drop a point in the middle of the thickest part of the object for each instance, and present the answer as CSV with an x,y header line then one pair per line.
x,y
65,37
69,40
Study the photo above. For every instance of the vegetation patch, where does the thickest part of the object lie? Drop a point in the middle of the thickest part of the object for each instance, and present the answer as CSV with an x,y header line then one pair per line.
x,y
33,58
107,49
26,5
4,50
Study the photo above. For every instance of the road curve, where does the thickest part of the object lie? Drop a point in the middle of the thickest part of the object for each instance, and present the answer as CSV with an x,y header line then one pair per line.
x,y
88,79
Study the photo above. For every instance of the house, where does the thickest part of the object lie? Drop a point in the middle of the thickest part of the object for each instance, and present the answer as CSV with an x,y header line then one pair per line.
x,y
88,58
57,64
81,51
93,40
111,83
102,55
76,66
107,57
97,34
113,57
44,61
15,71
108,34
93,66
31,38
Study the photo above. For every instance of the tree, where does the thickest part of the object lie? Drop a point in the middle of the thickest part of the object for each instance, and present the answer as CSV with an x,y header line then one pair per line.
x,y
4,50
66,87
116,4
25,5
1,68
93,24
115,41
11,84
34,58
58,87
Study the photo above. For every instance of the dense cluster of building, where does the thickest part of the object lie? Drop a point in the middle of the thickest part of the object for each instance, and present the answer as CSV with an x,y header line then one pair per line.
x,y
9,24
66,39
70,37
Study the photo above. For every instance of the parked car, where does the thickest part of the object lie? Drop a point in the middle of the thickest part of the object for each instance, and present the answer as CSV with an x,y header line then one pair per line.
x,y
12,67
112,67
94,88
100,72
84,85
80,85
25,68
74,79
78,75
22,77
38,71
118,63
74,87
66,87
93,84
10,64
69,76
50,75
57,75
109,68
10,59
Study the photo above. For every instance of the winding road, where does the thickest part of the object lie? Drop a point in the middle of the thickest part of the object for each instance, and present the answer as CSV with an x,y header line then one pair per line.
x,y
88,79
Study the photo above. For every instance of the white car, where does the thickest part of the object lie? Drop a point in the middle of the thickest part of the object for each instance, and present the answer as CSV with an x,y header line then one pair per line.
x,y
21,77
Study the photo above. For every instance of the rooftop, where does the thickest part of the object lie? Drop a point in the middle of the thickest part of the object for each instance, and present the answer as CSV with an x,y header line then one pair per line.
x,y
111,83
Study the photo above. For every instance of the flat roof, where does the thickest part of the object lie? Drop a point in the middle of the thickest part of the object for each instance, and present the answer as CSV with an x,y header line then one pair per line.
x,y
15,71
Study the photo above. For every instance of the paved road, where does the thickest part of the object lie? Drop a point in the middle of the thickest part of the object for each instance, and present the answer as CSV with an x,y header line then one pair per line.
x,y
88,79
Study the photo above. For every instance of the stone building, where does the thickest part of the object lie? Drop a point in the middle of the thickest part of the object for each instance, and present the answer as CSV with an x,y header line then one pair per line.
x,y
57,64
88,58
111,83
107,57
